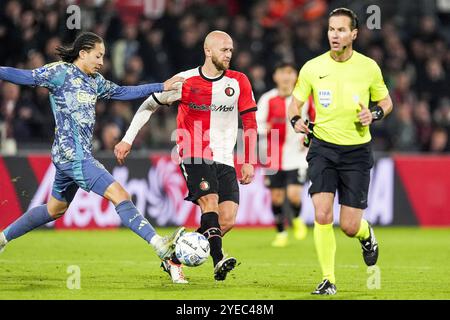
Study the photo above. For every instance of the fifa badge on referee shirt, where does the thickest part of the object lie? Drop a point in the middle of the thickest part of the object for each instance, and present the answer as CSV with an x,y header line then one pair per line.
x,y
325,97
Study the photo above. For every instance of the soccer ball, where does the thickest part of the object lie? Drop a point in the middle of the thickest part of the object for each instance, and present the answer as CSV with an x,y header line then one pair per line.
x,y
192,249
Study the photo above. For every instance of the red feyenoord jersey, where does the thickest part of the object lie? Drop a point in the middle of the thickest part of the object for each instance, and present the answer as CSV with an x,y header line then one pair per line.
x,y
286,152
207,121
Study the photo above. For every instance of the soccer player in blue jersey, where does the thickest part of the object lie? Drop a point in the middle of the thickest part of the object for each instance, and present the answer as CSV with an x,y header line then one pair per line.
x,y
75,85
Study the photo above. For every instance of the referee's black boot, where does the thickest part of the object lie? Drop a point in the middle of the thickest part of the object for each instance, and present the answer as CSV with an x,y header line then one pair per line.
x,y
370,249
325,288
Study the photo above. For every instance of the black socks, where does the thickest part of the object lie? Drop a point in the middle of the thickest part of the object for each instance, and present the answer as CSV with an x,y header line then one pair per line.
x,y
210,228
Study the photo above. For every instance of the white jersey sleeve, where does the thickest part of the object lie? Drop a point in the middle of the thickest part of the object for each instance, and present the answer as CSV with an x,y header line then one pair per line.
x,y
140,119
150,105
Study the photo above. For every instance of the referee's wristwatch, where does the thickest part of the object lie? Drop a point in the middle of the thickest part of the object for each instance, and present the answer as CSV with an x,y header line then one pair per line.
x,y
377,113
294,120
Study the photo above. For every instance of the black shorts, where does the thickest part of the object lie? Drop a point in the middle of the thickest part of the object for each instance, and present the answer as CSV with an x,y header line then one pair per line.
x,y
208,178
283,178
343,168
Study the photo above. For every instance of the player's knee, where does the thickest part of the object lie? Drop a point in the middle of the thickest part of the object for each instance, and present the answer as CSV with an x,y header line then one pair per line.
x,y
277,201
277,197
294,199
350,228
324,215
56,209
293,196
126,195
209,203
116,193
122,195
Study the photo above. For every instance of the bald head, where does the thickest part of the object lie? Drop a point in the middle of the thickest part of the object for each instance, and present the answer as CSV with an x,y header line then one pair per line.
x,y
218,48
216,38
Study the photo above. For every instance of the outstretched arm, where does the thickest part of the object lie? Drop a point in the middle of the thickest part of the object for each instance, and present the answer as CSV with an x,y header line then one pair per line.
x,y
110,90
136,92
150,105
17,76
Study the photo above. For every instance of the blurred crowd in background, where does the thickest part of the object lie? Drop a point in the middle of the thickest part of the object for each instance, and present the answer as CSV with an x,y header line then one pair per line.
x,y
150,40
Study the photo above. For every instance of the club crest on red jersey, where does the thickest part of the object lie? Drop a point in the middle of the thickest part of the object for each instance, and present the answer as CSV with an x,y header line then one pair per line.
x,y
229,91
204,185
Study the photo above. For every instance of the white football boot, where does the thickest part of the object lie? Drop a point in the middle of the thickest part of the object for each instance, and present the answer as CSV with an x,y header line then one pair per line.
x,y
174,270
165,246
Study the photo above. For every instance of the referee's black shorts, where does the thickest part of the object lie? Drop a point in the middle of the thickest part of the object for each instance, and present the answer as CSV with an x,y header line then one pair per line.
x,y
208,177
334,167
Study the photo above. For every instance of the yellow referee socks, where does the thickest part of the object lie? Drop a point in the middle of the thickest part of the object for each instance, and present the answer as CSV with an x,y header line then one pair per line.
x,y
363,232
326,249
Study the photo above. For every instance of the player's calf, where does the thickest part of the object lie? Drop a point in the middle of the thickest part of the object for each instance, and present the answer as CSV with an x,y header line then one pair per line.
x,y
210,228
30,220
226,224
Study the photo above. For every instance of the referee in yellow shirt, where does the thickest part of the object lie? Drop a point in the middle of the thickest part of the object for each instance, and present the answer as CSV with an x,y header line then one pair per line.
x,y
340,157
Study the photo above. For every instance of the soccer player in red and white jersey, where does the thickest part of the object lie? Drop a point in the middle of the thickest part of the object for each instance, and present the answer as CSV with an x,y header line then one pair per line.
x,y
210,102
286,166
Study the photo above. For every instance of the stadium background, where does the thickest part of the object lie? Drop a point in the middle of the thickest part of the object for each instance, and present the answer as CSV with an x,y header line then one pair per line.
x,y
150,40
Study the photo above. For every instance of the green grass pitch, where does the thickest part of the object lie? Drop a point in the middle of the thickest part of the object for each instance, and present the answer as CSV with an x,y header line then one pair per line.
x,y
414,263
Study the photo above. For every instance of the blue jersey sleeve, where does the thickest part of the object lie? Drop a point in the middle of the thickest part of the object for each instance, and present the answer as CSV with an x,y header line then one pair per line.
x,y
17,76
105,88
109,90
51,75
